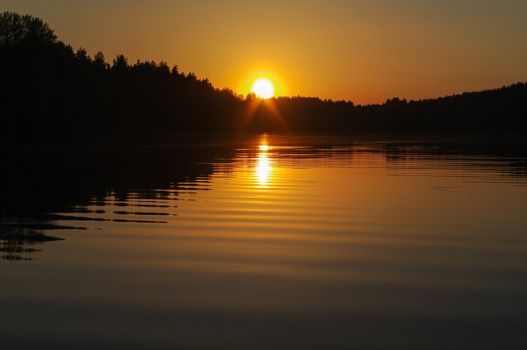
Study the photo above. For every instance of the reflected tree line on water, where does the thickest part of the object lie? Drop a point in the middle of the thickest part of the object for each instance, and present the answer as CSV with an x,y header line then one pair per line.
x,y
17,242
50,93
46,190
52,189
33,182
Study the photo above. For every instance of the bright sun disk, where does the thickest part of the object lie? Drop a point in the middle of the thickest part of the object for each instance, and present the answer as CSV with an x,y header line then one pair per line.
x,y
263,88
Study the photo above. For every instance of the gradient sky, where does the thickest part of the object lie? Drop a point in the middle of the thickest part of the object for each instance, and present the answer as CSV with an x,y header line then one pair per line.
x,y
364,51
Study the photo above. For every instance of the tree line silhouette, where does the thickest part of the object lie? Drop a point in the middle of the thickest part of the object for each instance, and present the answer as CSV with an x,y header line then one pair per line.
x,y
50,92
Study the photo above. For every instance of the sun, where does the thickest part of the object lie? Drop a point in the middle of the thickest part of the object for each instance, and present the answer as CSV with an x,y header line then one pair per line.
x,y
263,88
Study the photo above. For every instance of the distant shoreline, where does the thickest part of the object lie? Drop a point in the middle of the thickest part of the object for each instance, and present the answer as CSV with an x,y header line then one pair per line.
x,y
53,94
200,140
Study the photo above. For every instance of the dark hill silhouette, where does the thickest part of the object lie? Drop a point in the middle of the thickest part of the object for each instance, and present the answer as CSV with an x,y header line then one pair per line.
x,y
50,92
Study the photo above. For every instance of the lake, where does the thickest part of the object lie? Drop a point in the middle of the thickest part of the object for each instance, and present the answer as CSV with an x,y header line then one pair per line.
x,y
267,242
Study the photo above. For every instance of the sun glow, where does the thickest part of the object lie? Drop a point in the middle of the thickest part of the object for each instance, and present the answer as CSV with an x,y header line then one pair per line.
x,y
263,88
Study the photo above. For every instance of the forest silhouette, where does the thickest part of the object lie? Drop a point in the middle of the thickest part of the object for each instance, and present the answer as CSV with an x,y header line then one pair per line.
x,y
50,92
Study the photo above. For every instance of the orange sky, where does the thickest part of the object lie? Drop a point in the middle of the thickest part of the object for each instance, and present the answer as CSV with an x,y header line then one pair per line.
x,y
364,51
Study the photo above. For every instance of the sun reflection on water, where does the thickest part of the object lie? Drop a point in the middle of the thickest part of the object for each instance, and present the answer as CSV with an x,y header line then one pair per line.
x,y
263,164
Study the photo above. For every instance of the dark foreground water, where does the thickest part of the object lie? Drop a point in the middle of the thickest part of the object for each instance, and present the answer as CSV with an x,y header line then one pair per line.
x,y
266,243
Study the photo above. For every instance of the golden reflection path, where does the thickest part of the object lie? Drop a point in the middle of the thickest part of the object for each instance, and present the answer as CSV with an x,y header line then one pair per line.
x,y
263,164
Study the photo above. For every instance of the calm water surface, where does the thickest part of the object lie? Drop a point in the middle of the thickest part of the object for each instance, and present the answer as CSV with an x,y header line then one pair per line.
x,y
270,242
